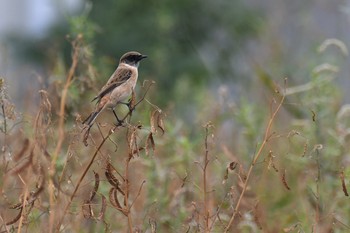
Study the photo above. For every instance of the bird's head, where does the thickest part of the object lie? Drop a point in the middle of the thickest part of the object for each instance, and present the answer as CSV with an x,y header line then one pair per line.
x,y
132,58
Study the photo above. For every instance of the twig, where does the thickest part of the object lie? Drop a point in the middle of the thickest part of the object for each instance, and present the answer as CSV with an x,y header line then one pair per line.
x,y
317,194
61,132
206,162
342,179
255,159
138,193
23,204
81,179
70,76
4,224
126,197
4,114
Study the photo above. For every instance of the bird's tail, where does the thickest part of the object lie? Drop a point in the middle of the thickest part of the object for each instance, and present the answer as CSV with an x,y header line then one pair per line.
x,y
91,118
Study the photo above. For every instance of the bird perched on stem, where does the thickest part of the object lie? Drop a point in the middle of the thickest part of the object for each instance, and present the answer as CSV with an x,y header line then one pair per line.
x,y
119,87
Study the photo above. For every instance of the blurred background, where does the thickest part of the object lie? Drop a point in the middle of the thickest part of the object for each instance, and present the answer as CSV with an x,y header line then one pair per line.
x,y
217,46
222,61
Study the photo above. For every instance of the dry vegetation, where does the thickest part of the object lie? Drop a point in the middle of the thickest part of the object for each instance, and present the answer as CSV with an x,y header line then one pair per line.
x,y
148,175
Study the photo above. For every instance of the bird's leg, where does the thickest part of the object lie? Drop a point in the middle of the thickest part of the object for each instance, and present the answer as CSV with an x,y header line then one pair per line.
x,y
120,122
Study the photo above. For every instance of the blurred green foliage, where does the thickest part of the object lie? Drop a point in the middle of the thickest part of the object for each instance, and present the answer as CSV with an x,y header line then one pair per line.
x,y
189,43
176,35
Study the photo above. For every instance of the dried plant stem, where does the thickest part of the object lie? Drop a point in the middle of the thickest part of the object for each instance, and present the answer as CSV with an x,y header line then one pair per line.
x,y
4,114
61,130
4,224
81,179
255,159
317,194
24,202
75,44
127,192
206,162
4,129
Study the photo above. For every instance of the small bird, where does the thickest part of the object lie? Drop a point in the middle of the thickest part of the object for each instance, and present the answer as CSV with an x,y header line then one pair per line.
x,y
119,87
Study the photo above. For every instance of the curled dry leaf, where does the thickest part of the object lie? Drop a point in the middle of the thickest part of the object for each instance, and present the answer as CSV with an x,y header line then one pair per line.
x,y
97,183
342,178
132,142
87,210
86,135
271,162
113,199
103,208
313,115
110,177
157,121
284,181
230,167
150,141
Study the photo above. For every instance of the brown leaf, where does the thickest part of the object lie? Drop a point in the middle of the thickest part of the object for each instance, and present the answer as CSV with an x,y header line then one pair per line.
x,y
103,208
157,121
86,136
132,142
284,180
150,141
87,210
271,162
342,178
97,183
113,199
110,177
230,167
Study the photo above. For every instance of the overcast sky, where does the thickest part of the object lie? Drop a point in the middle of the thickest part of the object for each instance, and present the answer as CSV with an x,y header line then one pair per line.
x,y
32,18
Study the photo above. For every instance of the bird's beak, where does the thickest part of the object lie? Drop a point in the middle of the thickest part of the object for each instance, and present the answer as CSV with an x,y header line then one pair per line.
x,y
143,56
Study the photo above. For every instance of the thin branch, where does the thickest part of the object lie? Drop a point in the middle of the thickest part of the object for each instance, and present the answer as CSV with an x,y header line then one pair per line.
x,y
4,114
255,159
138,194
23,204
126,197
206,162
70,76
80,180
61,131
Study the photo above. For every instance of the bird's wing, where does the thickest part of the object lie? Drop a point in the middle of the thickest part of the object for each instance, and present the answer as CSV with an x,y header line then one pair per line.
x,y
120,76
